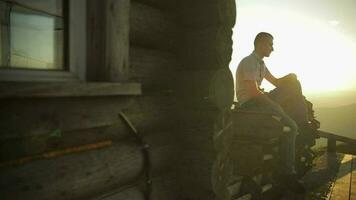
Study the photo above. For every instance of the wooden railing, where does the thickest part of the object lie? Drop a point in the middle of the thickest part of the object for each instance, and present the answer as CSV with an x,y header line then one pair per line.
x,y
332,138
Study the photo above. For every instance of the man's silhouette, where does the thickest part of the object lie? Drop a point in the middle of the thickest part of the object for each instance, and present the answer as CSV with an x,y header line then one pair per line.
x,y
249,75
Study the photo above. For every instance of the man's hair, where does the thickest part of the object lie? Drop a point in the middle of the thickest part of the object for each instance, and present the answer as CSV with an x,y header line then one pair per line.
x,y
260,36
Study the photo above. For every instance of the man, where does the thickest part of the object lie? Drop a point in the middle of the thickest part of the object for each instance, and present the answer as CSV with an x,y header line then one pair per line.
x,y
249,75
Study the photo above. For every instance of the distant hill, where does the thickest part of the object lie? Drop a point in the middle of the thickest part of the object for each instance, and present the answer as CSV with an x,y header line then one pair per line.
x,y
340,120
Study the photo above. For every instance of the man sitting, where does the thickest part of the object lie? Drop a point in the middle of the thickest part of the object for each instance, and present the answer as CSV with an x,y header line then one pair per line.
x,y
249,75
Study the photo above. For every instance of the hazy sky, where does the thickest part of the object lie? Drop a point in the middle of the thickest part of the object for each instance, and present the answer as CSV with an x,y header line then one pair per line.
x,y
316,39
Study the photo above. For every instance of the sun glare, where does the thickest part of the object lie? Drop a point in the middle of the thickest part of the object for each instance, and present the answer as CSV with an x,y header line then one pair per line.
x,y
322,56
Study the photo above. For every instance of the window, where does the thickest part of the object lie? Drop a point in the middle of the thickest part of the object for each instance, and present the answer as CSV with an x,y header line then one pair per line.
x,y
44,46
42,40
32,34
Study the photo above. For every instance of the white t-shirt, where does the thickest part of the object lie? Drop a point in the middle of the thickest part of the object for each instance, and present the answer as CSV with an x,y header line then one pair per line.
x,y
250,68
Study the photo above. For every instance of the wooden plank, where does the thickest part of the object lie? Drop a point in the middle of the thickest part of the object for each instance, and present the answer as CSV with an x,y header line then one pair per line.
x,y
341,187
68,89
353,179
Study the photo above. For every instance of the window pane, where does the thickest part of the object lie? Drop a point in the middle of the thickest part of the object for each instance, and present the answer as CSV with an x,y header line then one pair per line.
x,y
32,34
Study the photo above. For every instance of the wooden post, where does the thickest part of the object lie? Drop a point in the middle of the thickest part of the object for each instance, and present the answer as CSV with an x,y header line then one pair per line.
x,y
331,145
117,40
4,34
108,40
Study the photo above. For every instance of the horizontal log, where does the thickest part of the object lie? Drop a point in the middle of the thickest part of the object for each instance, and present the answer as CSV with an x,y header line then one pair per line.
x,y
17,149
162,4
81,175
208,87
207,13
164,186
35,117
154,69
208,48
152,27
134,193
67,89
73,176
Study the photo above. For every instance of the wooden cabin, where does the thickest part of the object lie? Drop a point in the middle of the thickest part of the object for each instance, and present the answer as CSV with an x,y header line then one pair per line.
x,y
126,108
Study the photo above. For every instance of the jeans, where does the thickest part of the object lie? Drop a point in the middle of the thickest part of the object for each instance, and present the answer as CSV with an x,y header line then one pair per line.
x,y
264,104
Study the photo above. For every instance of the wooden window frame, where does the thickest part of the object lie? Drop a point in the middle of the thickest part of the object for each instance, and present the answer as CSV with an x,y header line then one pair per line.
x,y
81,80
74,60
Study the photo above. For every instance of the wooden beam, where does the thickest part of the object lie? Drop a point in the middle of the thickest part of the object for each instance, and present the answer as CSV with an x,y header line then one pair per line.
x,y
333,136
67,89
108,40
117,39
331,145
4,34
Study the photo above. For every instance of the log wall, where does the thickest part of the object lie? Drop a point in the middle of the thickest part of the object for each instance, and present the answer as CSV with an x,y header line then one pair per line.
x,y
205,49
162,40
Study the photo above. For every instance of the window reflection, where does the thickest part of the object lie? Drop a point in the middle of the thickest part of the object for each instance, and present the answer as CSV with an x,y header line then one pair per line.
x,y
32,34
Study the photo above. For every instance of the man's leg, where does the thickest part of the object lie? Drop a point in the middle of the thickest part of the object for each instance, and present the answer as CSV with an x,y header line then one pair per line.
x,y
287,141
290,97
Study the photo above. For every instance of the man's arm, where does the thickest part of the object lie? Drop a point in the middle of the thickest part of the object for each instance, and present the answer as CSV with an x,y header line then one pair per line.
x,y
270,78
252,88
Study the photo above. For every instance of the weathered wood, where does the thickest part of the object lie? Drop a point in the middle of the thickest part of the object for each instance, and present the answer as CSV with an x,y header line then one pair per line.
x,y
47,7
108,40
154,69
207,48
353,179
117,43
96,37
71,114
133,193
4,34
341,187
74,176
244,126
164,187
96,171
208,88
17,148
331,145
162,4
333,136
152,28
207,13
67,89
